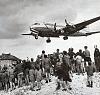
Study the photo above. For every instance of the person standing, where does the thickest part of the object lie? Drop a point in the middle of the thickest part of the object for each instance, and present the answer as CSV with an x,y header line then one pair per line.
x,y
32,77
97,58
90,70
72,58
66,70
38,76
47,66
26,67
5,78
11,78
86,55
19,72
42,55
79,64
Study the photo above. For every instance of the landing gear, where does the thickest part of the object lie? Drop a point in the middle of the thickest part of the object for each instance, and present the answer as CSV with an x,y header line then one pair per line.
x,y
36,36
48,40
65,38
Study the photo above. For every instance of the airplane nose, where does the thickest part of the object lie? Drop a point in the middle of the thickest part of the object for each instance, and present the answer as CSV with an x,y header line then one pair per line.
x,y
31,28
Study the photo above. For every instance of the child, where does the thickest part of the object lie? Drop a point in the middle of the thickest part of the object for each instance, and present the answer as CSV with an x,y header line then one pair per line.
x,y
11,78
32,77
5,78
79,64
38,75
90,70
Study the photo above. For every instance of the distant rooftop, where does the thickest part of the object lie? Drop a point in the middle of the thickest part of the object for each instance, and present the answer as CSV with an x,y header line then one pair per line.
x,y
8,57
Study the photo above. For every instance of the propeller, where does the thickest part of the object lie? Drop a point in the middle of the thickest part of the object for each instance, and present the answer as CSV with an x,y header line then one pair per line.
x,y
66,22
55,27
30,29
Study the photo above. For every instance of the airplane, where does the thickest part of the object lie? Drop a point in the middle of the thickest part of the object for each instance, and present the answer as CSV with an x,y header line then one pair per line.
x,y
65,31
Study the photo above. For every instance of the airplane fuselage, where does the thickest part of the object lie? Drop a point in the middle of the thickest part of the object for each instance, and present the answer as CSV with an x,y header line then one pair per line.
x,y
47,32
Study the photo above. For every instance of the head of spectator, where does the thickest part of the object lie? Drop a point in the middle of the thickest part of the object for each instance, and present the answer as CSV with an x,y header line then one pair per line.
x,y
85,47
23,61
80,51
19,61
57,50
32,60
64,52
71,49
28,59
43,52
95,46
38,56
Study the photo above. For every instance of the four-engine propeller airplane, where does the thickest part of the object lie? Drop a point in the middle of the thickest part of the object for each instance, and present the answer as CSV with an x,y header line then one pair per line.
x,y
65,31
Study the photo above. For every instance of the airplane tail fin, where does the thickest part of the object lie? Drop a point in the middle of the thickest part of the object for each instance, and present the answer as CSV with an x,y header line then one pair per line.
x,y
90,33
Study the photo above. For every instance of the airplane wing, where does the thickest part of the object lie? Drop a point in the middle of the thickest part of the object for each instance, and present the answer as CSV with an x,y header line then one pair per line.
x,y
27,34
90,33
82,25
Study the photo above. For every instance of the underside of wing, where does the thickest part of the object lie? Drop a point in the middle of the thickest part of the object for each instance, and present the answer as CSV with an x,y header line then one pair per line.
x,y
90,33
85,23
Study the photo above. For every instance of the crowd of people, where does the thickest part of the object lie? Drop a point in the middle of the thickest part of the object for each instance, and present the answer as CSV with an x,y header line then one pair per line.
x,y
59,64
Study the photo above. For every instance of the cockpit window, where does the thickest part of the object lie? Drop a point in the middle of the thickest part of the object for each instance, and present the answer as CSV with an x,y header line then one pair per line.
x,y
36,24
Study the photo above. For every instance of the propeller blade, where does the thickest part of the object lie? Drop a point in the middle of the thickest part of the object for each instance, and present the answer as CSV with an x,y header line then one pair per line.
x,y
30,28
55,26
66,22
50,24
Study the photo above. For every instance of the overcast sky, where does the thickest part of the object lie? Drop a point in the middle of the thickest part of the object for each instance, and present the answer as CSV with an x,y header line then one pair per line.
x,y
17,15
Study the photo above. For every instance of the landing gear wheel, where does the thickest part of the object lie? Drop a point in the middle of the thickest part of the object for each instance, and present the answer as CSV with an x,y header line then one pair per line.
x,y
65,38
48,41
36,37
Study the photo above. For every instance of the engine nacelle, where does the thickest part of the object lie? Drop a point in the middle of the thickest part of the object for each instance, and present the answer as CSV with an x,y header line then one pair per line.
x,y
35,35
65,38
48,40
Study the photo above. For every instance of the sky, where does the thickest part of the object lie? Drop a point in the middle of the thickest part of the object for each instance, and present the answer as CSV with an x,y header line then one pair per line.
x,y
16,16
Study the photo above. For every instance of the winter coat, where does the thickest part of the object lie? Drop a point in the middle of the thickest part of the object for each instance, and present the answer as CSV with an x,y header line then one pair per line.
x,y
62,71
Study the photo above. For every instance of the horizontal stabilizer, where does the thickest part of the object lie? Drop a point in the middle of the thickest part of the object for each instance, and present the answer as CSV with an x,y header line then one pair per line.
x,y
90,33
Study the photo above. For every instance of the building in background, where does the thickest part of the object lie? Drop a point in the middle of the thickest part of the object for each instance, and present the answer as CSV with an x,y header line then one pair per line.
x,y
8,60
